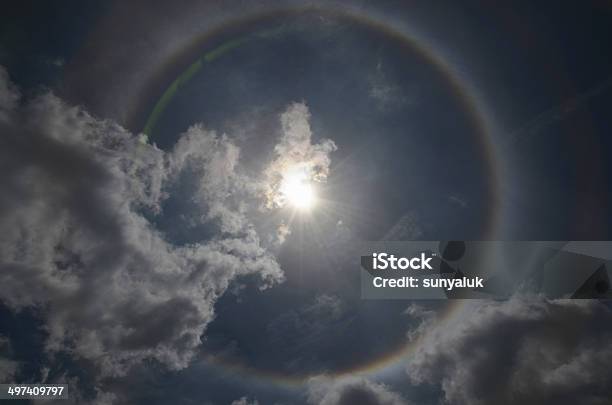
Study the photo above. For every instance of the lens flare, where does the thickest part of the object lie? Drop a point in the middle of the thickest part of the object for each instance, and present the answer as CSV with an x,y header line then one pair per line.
x,y
297,190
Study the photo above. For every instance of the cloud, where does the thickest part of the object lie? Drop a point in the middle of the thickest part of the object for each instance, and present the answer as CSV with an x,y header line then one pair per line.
x,y
408,227
307,325
304,337
387,94
295,151
78,194
458,201
213,160
527,351
8,367
244,401
349,391
426,319
282,232
9,96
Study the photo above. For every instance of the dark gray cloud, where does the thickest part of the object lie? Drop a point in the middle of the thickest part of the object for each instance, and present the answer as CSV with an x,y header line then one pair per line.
x,y
77,197
351,391
9,96
8,367
526,350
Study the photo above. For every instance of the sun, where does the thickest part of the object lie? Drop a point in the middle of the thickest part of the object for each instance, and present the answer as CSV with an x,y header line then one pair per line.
x,y
297,190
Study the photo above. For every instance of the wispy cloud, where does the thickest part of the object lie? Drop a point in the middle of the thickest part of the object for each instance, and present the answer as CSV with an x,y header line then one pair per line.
x,y
352,390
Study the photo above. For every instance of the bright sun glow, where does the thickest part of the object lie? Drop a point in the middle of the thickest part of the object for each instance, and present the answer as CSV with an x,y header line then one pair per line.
x,y
297,190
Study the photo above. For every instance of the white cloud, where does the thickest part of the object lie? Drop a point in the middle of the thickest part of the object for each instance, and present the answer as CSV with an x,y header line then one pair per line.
x,y
295,150
526,350
244,401
282,232
352,390
77,244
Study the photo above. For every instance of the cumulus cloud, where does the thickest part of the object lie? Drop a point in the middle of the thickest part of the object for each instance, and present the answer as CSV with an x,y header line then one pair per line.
x,y
78,243
349,391
527,351
295,152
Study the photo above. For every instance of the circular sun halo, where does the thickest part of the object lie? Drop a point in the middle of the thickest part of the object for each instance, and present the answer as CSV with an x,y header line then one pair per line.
x,y
298,191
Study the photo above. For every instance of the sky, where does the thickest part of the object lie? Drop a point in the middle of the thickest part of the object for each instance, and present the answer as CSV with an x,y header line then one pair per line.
x,y
185,186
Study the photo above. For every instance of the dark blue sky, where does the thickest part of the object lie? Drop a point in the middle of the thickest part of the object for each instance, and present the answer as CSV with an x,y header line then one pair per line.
x,y
410,147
